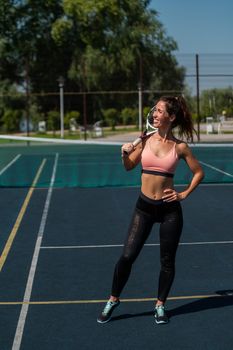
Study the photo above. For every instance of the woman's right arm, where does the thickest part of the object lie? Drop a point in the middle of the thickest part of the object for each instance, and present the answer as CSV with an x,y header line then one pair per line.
x,y
133,158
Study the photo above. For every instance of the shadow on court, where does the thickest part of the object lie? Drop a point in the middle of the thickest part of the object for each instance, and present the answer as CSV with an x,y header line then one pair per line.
x,y
202,305
188,308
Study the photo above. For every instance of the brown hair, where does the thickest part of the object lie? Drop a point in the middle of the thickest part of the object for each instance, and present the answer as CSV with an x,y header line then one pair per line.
x,y
177,105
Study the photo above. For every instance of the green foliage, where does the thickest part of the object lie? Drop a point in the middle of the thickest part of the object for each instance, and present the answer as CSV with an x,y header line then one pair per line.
x,y
60,29
94,45
10,120
53,122
111,117
12,105
35,115
195,118
121,36
75,115
215,101
129,116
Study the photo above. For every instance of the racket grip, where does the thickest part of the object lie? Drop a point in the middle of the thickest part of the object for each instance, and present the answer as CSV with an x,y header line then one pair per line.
x,y
134,143
137,141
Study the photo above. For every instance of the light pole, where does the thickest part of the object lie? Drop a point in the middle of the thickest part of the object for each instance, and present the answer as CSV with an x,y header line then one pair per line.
x,y
140,97
61,86
140,118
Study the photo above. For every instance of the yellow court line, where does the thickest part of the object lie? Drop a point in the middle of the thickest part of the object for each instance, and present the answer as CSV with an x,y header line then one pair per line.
x,y
13,233
98,301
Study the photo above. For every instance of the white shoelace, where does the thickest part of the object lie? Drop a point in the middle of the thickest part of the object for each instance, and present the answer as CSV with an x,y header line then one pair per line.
x,y
108,307
160,310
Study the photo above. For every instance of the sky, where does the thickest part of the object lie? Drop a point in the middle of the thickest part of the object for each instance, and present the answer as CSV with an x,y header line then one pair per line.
x,y
198,26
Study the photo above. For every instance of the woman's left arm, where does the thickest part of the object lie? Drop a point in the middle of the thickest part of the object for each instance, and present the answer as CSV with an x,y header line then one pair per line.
x,y
194,166
185,153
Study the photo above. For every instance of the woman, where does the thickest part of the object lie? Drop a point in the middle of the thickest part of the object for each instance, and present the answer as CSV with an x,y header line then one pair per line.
x,y
158,201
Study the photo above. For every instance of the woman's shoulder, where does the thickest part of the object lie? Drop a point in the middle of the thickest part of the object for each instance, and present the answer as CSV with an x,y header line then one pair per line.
x,y
180,144
182,148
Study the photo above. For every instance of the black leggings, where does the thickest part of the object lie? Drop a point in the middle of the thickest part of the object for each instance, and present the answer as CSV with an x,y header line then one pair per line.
x,y
146,213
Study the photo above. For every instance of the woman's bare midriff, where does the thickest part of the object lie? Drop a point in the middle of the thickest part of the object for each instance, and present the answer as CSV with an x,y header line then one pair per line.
x,y
154,185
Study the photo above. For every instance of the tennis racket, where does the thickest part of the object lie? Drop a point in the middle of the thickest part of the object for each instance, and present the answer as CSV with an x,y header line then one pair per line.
x,y
150,129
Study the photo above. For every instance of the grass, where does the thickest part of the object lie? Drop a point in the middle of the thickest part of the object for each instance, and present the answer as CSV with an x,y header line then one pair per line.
x,y
107,131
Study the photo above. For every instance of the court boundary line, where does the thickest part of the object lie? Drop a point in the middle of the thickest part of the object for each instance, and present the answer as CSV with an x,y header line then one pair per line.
x,y
32,271
216,169
9,164
98,301
213,184
138,186
20,216
121,245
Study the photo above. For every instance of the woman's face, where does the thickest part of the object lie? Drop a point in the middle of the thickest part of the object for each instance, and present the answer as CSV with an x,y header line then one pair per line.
x,y
161,118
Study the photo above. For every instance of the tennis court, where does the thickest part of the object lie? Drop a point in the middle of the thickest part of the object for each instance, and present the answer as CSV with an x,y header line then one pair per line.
x,y
64,214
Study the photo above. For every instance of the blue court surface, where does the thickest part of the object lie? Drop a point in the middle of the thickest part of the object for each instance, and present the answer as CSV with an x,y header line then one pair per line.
x,y
59,245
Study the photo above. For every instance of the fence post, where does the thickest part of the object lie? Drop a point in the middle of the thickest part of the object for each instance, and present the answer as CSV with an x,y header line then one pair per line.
x,y
61,86
85,114
198,97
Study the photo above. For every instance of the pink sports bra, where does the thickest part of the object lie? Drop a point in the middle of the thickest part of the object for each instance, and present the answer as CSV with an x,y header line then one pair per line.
x,y
165,166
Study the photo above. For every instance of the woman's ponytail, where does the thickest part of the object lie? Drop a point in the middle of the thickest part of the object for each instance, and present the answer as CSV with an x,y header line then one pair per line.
x,y
183,121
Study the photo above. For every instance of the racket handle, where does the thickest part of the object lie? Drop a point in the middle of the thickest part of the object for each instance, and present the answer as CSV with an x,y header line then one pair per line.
x,y
137,141
134,143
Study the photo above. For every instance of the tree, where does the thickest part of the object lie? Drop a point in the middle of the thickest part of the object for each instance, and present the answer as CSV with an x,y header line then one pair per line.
x,y
94,45
29,55
8,30
10,102
215,101
111,39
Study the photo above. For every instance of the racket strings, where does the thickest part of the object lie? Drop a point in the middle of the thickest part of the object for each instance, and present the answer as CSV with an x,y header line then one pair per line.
x,y
150,120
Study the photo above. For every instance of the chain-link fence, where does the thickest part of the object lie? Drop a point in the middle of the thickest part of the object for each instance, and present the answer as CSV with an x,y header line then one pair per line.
x,y
209,88
215,70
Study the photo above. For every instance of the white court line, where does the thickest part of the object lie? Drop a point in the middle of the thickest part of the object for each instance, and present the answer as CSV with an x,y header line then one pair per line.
x,y
28,290
9,164
217,169
121,245
207,145
216,184
88,163
208,184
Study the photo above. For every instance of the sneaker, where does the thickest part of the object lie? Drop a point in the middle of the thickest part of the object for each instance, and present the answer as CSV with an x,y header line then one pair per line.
x,y
160,315
105,316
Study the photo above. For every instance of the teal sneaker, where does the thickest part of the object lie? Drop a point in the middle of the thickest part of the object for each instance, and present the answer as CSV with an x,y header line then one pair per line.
x,y
105,316
160,315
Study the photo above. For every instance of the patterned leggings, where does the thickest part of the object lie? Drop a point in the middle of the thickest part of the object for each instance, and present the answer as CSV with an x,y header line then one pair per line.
x,y
148,212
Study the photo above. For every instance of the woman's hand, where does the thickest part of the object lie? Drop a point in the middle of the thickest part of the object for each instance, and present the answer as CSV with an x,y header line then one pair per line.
x,y
171,195
127,148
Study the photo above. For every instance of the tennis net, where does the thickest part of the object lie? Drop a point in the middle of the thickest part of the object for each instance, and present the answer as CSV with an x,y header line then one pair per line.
x,y
30,161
